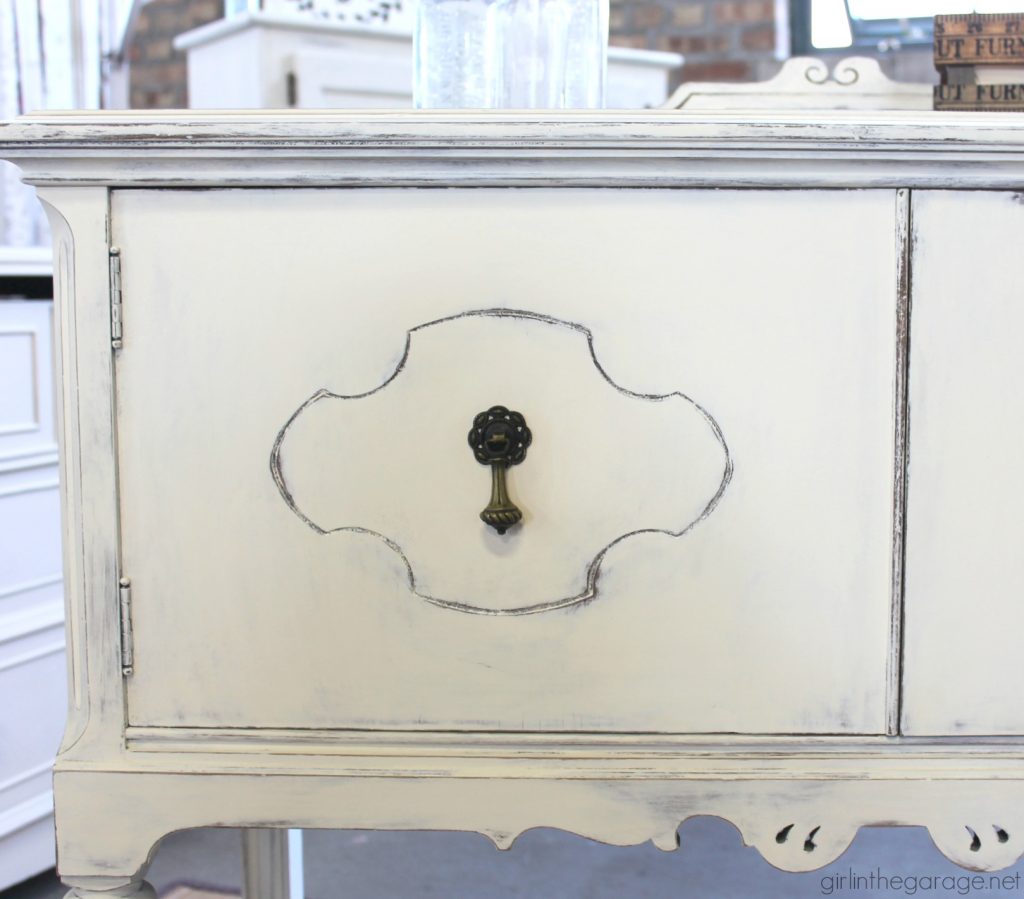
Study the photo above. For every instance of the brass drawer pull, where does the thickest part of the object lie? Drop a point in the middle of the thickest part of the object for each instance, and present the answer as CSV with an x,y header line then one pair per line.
x,y
499,438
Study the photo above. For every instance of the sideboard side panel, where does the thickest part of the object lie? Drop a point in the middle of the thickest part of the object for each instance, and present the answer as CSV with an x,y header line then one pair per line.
x,y
78,218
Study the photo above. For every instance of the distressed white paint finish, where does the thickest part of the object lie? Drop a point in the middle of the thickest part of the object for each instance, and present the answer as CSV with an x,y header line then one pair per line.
x,y
27,417
799,544
78,219
501,803
965,571
804,82
622,787
32,665
650,148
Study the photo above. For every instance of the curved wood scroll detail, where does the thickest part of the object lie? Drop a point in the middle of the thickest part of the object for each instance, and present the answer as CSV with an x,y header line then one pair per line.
x,y
804,82
797,824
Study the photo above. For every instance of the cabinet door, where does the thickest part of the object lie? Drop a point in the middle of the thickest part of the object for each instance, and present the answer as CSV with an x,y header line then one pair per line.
x,y
965,564
707,498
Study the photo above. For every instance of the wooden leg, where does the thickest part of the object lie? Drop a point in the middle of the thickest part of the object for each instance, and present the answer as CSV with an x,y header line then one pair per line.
x,y
272,864
137,890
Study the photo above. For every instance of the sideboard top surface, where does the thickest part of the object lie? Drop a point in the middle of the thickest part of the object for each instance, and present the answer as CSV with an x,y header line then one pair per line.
x,y
584,148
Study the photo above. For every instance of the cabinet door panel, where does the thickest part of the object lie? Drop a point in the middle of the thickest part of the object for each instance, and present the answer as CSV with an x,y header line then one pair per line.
x,y
965,566
707,498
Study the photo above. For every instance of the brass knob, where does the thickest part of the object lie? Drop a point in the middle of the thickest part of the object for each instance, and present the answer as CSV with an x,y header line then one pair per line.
x,y
500,438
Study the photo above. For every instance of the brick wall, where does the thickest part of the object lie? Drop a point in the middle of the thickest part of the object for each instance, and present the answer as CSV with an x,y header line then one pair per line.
x,y
722,40
157,72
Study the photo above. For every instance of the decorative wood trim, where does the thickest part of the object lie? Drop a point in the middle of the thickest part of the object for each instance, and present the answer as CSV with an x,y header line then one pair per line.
x,y
78,220
805,82
68,452
589,588
877,149
744,752
777,818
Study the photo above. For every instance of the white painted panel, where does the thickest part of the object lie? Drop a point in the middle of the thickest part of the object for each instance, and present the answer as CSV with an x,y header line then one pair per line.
x,y
965,565
30,552
19,409
36,599
29,843
377,73
33,692
770,615
27,420
231,73
33,699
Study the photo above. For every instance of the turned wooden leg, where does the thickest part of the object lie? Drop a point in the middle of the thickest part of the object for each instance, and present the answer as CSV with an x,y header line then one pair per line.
x,y
272,864
100,888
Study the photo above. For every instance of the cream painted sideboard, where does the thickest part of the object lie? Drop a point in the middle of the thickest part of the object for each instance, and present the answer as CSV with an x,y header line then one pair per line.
x,y
749,385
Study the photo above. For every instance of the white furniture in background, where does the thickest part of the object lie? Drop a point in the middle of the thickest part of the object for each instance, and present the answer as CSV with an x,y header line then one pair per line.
x,y
724,335
32,667
805,83
274,60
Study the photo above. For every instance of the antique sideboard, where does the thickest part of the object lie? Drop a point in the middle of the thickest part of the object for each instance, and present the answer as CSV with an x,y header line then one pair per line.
x,y
487,471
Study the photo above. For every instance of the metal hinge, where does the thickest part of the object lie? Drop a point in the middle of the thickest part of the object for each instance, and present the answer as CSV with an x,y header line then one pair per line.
x,y
127,650
115,298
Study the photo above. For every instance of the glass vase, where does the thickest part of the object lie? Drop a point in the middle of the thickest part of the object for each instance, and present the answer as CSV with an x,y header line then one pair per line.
x,y
521,54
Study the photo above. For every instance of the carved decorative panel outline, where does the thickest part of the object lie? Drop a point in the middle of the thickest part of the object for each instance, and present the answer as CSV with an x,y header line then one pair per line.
x,y
692,449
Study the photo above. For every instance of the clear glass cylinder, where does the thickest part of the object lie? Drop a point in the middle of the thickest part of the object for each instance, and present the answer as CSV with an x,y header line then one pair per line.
x,y
450,43
523,54
548,54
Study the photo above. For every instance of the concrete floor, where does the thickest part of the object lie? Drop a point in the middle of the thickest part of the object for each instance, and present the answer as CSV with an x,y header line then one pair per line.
x,y
547,864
